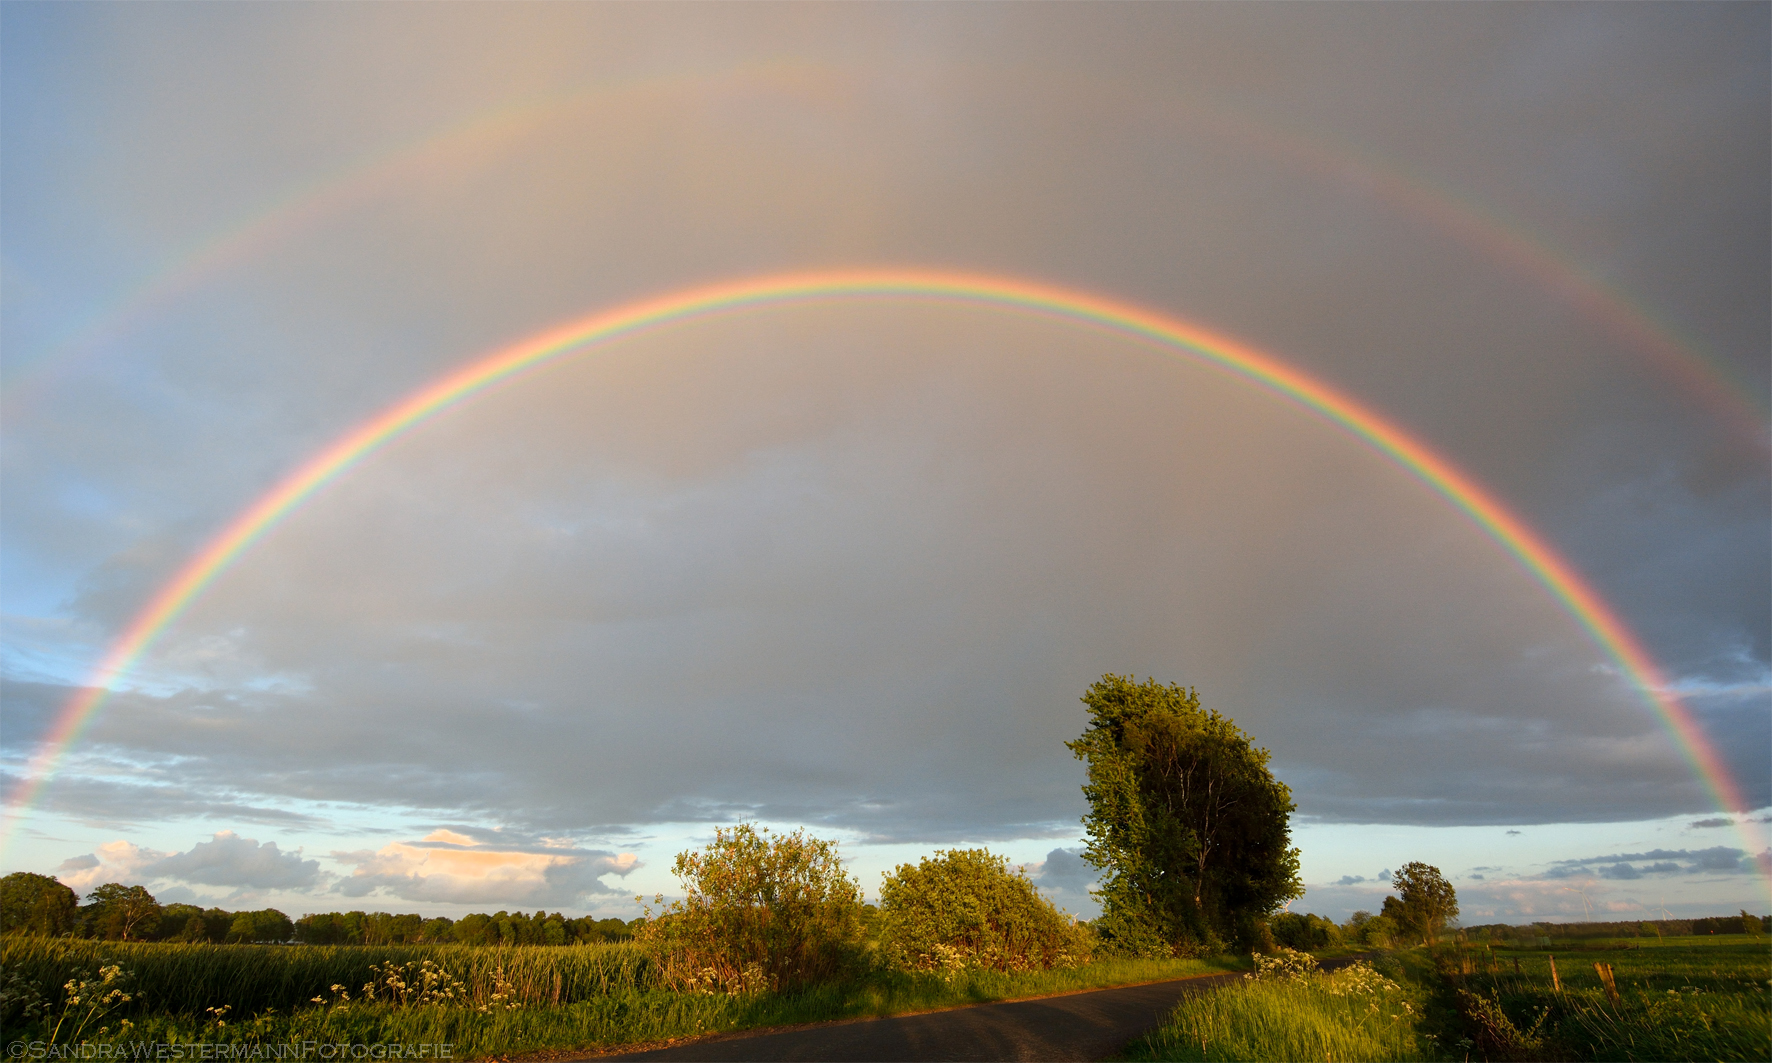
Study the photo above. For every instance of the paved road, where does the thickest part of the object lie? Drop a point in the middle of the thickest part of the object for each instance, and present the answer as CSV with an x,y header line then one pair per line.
x,y
1088,1025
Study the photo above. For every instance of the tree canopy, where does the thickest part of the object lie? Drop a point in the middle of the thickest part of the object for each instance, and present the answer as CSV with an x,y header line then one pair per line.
x,y
1427,902
117,912
1191,827
968,908
36,904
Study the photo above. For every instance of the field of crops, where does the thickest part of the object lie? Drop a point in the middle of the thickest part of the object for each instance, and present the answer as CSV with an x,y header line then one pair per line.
x,y
189,978
1704,997
1678,998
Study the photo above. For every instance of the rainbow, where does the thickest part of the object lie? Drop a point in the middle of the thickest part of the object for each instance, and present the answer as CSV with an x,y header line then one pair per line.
x,y
453,147
1167,334
1707,378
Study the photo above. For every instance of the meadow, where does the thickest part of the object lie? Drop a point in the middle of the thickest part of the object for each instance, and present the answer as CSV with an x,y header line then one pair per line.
x,y
482,1001
1678,998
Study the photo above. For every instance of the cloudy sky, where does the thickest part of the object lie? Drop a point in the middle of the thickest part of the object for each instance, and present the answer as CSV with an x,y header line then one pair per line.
x,y
849,565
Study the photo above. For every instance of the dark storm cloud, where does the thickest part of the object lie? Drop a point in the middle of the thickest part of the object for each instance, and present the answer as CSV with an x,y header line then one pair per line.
x,y
852,566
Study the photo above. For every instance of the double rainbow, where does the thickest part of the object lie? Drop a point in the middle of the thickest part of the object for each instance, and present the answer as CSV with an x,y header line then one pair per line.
x,y
1169,335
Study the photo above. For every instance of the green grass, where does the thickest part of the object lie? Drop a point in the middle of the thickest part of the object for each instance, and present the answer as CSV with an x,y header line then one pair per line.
x,y
1681,998
574,997
188,978
1704,997
1357,1013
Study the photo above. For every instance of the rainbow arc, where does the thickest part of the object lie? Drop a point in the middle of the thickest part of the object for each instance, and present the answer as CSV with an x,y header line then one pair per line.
x,y
1163,332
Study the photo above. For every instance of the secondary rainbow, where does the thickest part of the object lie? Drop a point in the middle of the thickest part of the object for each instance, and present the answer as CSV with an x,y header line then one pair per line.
x,y
1169,334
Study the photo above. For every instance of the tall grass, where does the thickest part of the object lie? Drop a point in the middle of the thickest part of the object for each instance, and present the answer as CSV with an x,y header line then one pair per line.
x,y
190,978
1688,998
1353,1014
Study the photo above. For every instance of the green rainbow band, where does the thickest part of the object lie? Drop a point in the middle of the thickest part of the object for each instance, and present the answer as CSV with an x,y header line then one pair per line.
x,y
1167,333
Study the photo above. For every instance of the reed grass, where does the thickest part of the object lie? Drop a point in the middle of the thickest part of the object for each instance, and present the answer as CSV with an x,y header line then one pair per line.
x,y
184,978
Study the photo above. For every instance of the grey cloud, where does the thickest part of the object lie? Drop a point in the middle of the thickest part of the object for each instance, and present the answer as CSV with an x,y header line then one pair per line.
x,y
1349,880
1066,878
78,863
112,803
1717,859
1066,869
851,566
1477,877
1714,821
230,860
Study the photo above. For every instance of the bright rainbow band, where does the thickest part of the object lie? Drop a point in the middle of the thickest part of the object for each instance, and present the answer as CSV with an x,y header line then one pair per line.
x,y
1168,334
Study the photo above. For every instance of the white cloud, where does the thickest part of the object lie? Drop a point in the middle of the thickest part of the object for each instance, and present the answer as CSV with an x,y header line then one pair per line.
x,y
450,867
117,861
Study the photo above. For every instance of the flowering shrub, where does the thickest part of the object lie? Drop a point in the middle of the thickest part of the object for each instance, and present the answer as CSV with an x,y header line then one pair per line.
x,y
762,911
1284,964
966,908
1359,979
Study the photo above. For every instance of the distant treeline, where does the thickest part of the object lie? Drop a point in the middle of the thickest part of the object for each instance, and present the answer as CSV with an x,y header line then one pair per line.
x,y
41,905
500,928
1363,929
1744,923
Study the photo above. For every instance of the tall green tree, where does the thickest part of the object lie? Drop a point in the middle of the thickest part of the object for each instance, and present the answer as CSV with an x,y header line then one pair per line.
x,y
36,904
1426,902
118,912
1191,827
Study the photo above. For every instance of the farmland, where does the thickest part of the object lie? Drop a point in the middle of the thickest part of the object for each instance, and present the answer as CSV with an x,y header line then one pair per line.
x,y
1609,999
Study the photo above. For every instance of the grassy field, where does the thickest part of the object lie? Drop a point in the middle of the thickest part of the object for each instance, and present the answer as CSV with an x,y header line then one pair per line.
x,y
1681,998
1704,997
499,1002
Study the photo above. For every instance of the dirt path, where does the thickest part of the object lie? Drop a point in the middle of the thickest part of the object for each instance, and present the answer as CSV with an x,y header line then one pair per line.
x,y
1092,1024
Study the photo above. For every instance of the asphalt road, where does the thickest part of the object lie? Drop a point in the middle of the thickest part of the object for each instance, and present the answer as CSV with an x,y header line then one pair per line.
x,y
1088,1025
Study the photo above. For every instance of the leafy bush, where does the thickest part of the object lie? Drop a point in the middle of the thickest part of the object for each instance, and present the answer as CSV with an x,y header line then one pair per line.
x,y
965,908
762,911
1304,932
